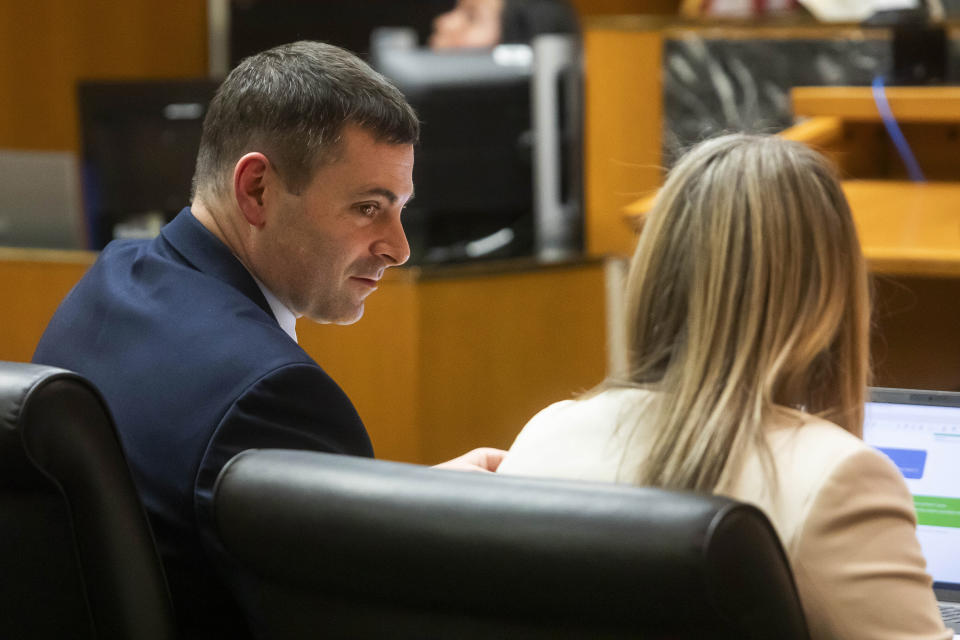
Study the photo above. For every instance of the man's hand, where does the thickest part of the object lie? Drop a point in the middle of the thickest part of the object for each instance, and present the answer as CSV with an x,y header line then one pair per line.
x,y
484,459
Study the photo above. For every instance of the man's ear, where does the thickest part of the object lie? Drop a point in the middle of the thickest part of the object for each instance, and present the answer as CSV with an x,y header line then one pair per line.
x,y
250,177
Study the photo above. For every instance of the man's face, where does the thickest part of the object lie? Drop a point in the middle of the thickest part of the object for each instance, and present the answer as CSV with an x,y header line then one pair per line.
x,y
324,251
471,23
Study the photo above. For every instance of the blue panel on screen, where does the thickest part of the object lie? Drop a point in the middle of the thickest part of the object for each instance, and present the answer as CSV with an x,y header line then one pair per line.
x,y
909,461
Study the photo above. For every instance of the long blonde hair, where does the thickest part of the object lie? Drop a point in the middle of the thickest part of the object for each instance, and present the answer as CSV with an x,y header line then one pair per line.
x,y
747,294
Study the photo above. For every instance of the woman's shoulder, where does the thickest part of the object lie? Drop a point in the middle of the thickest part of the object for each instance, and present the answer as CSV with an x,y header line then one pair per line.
x,y
835,460
577,438
814,443
812,456
853,532
595,412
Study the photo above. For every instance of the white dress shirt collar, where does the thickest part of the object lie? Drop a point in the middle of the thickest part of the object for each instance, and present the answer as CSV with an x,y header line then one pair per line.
x,y
285,318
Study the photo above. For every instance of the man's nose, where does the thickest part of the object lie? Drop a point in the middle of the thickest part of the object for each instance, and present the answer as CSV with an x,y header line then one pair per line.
x,y
392,246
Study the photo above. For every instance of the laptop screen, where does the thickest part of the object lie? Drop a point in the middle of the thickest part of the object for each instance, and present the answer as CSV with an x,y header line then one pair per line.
x,y
920,432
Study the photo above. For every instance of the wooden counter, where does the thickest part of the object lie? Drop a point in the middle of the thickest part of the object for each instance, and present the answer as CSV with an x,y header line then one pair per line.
x,y
447,359
444,359
909,104
623,112
908,229
905,228
32,284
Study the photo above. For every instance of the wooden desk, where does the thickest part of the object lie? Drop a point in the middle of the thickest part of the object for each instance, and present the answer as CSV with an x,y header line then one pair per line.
x,y
908,104
844,123
909,229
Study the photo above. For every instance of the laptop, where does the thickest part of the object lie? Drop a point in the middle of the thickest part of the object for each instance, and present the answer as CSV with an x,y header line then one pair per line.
x,y
920,432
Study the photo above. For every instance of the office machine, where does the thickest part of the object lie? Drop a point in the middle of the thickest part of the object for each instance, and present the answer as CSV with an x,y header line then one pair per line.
x,y
497,171
139,144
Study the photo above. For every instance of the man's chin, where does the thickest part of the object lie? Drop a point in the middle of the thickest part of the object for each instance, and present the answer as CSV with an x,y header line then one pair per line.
x,y
344,317
346,321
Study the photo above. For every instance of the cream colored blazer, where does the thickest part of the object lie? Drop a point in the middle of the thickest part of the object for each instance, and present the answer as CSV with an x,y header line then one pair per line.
x,y
842,509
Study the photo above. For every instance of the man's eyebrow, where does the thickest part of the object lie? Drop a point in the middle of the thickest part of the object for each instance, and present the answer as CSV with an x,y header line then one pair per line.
x,y
380,191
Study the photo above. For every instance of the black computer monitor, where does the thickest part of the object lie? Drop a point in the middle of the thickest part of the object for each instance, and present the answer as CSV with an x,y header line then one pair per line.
x,y
139,147
473,166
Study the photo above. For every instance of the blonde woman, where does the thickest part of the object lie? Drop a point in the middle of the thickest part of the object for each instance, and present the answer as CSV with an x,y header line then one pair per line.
x,y
748,319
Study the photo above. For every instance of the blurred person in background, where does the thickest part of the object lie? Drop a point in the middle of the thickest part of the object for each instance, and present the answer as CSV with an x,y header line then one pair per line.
x,y
487,23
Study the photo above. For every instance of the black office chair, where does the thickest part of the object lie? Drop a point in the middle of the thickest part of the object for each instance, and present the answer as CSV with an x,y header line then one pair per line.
x,y
357,548
77,559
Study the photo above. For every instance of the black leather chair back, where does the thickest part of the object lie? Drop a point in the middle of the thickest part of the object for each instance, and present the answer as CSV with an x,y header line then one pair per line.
x,y
358,548
77,558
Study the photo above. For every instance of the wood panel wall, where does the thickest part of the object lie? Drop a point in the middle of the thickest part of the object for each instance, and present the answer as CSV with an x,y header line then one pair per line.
x,y
377,363
438,366
32,284
915,342
495,349
46,46
622,127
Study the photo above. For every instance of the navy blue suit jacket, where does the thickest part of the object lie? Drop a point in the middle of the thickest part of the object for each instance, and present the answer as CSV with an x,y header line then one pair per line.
x,y
194,367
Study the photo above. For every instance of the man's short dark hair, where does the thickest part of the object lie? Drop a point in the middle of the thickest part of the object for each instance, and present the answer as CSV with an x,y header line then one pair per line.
x,y
291,103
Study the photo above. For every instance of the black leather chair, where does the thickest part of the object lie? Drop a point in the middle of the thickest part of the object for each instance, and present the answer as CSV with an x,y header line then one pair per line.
x,y
352,548
77,558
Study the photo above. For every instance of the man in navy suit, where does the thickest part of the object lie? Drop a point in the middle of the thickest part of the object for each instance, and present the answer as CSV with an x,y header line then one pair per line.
x,y
304,167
